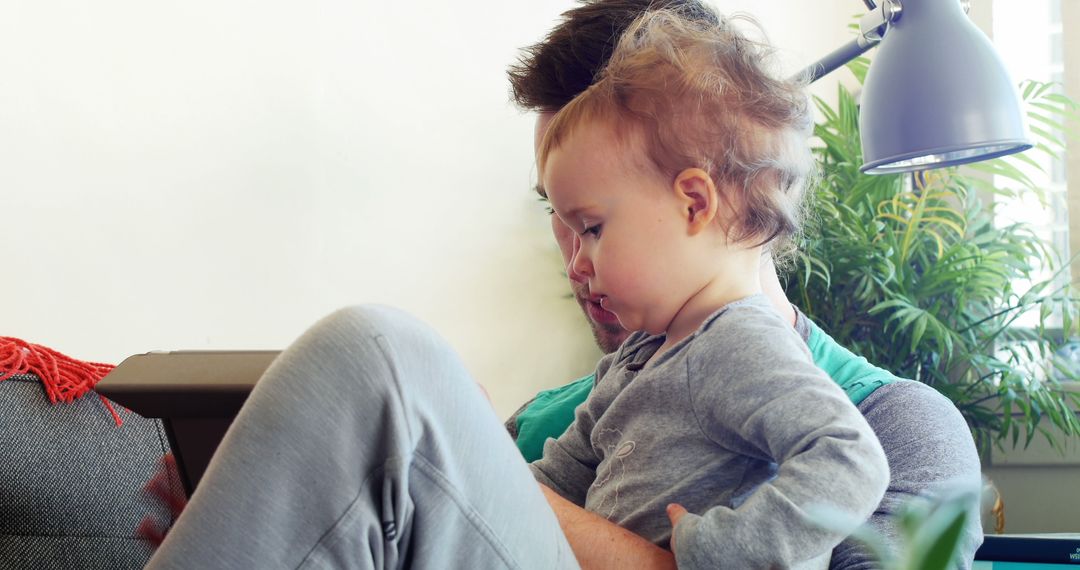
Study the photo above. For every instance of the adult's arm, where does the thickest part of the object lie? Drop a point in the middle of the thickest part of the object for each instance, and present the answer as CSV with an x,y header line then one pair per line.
x,y
511,423
600,544
928,445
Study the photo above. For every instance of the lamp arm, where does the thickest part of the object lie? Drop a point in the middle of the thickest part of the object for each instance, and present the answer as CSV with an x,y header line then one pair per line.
x,y
872,27
835,59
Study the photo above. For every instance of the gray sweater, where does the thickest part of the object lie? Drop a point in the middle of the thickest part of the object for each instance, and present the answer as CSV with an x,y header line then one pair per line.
x,y
706,424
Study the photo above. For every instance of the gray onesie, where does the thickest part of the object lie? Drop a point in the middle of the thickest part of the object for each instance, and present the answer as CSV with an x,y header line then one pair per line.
x,y
702,425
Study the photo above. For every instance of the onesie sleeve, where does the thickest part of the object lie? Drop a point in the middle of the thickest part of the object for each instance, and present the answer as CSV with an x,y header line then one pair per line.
x,y
756,391
569,463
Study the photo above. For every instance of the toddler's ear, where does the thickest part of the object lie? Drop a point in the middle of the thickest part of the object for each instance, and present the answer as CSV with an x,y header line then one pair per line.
x,y
697,192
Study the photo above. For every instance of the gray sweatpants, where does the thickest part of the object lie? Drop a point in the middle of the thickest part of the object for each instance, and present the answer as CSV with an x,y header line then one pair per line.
x,y
367,445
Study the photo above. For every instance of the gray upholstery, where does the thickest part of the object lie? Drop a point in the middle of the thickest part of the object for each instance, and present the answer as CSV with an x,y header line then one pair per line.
x,y
71,480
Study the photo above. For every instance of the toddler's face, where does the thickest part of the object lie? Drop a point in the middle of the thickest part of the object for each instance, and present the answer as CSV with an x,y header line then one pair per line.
x,y
630,242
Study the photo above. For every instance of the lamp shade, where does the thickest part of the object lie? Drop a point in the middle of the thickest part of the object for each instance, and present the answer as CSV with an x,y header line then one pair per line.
x,y
937,94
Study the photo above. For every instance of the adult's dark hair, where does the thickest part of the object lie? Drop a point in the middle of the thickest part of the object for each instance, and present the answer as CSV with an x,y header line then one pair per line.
x,y
551,73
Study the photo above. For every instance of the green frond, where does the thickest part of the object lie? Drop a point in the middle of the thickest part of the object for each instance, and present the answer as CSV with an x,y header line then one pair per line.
x,y
916,274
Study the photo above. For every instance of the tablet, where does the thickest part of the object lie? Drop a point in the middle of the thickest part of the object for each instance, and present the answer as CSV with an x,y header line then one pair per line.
x,y
196,394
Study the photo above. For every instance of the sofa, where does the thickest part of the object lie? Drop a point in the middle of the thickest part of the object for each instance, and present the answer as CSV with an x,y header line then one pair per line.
x,y
71,480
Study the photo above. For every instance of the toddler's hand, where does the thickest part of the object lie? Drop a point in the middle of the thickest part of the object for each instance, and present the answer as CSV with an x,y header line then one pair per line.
x,y
162,489
675,512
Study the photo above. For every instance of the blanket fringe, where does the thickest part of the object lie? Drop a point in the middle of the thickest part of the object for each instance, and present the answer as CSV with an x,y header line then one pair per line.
x,y
64,378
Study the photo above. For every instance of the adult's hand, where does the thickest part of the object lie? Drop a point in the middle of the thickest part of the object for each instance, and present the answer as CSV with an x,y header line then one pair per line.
x,y
601,544
163,490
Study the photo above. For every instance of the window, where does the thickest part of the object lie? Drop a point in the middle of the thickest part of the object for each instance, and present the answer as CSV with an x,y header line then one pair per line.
x,y
1030,38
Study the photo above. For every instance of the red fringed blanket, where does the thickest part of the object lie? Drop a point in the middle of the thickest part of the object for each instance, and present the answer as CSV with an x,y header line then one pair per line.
x,y
63,377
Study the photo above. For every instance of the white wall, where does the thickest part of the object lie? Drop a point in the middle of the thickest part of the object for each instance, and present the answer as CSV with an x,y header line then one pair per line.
x,y
219,174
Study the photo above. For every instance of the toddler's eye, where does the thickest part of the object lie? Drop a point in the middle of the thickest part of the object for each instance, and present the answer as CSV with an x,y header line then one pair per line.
x,y
550,211
593,231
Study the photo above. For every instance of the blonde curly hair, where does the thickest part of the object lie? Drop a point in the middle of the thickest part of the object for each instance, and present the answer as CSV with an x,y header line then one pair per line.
x,y
701,95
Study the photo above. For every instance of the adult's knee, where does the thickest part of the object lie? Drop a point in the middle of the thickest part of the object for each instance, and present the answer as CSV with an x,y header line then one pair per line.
x,y
366,321
375,343
417,356
337,352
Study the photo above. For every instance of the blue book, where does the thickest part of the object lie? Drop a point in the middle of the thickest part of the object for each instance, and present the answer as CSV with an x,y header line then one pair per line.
x,y
1029,552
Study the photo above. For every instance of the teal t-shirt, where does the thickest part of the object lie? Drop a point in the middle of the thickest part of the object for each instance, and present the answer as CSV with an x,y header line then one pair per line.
x,y
853,373
552,411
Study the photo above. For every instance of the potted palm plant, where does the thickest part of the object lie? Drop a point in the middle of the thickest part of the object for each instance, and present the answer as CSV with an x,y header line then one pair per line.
x,y
914,274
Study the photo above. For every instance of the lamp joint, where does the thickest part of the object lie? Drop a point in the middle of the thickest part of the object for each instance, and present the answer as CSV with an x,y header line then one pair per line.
x,y
874,23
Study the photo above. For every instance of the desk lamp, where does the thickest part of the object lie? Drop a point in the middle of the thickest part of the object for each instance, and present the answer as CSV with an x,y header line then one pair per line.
x,y
936,93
